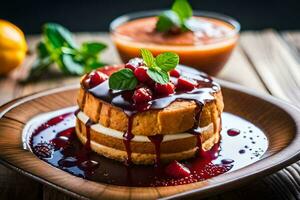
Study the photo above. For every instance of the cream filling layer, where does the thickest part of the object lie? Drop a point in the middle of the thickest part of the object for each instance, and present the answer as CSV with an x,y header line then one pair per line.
x,y
137,138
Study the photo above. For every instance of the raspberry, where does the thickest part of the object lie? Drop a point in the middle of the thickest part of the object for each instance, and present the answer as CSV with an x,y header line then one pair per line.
x,y
130,66
185,84
174,73
97,78
141,74
142,95
134,63
164,89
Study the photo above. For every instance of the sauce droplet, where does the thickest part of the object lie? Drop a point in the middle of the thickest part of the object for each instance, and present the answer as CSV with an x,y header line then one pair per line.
x,y
227,161
233,132
242,151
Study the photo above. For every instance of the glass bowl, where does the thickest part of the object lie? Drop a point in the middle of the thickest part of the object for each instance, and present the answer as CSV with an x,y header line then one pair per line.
x,y
209,56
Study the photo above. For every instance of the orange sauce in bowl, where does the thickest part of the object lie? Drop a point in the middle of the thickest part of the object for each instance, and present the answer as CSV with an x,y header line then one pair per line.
x,y
207,48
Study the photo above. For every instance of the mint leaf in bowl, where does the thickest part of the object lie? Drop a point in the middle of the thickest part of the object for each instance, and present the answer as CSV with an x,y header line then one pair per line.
x,y
175,19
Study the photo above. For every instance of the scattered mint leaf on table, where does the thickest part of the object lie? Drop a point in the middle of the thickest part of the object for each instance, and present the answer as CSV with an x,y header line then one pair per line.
x,y
59,47
58,36
92,48
70,65
42,50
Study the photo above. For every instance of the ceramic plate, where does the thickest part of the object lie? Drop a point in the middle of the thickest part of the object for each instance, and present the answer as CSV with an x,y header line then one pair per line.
x,y
279,121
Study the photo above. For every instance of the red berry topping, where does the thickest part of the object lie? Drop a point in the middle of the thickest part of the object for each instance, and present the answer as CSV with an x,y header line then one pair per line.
x,y
130,66
185,84
127,95
150,83
97,78
164,89
141,74
175,73
142,95
177,170
134,63
137,62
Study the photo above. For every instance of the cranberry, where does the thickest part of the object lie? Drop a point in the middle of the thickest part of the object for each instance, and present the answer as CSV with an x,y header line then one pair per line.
x,y
177,170
142,95
164,89
134,63
150,83
97,78
137,62
130,66
175,73
141,74
185,84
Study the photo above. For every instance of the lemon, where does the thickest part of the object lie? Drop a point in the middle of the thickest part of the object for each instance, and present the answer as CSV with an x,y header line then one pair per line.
x,y
13,47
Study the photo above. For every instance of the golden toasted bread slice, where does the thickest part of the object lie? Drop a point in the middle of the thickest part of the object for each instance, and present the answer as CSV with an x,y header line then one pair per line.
x,y
143,152
178,117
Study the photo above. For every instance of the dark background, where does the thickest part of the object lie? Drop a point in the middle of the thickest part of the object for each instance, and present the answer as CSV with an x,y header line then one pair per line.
x,y
95,15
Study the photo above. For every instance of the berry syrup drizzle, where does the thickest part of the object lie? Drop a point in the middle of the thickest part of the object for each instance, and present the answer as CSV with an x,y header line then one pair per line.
x,y
127,139
157,140
52,138
201,94
62,149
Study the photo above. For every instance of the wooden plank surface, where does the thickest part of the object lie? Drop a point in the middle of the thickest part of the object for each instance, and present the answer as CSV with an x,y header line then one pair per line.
x,y
276,58
273,60
239,70
257,63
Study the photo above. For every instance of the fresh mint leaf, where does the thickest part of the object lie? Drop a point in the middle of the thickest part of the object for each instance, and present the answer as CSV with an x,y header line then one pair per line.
x,y
67,50
175,18
123,79
40,65
158,75
183,9
72,67
92,48
167,20
58,36
58,47
42,50
167,61
147,57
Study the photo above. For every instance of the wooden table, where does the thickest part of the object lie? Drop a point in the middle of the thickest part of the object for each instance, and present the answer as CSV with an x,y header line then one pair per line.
x,y
266,61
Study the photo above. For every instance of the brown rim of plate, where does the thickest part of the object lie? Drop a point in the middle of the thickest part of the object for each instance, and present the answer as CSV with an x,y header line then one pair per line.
x,y
275,159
